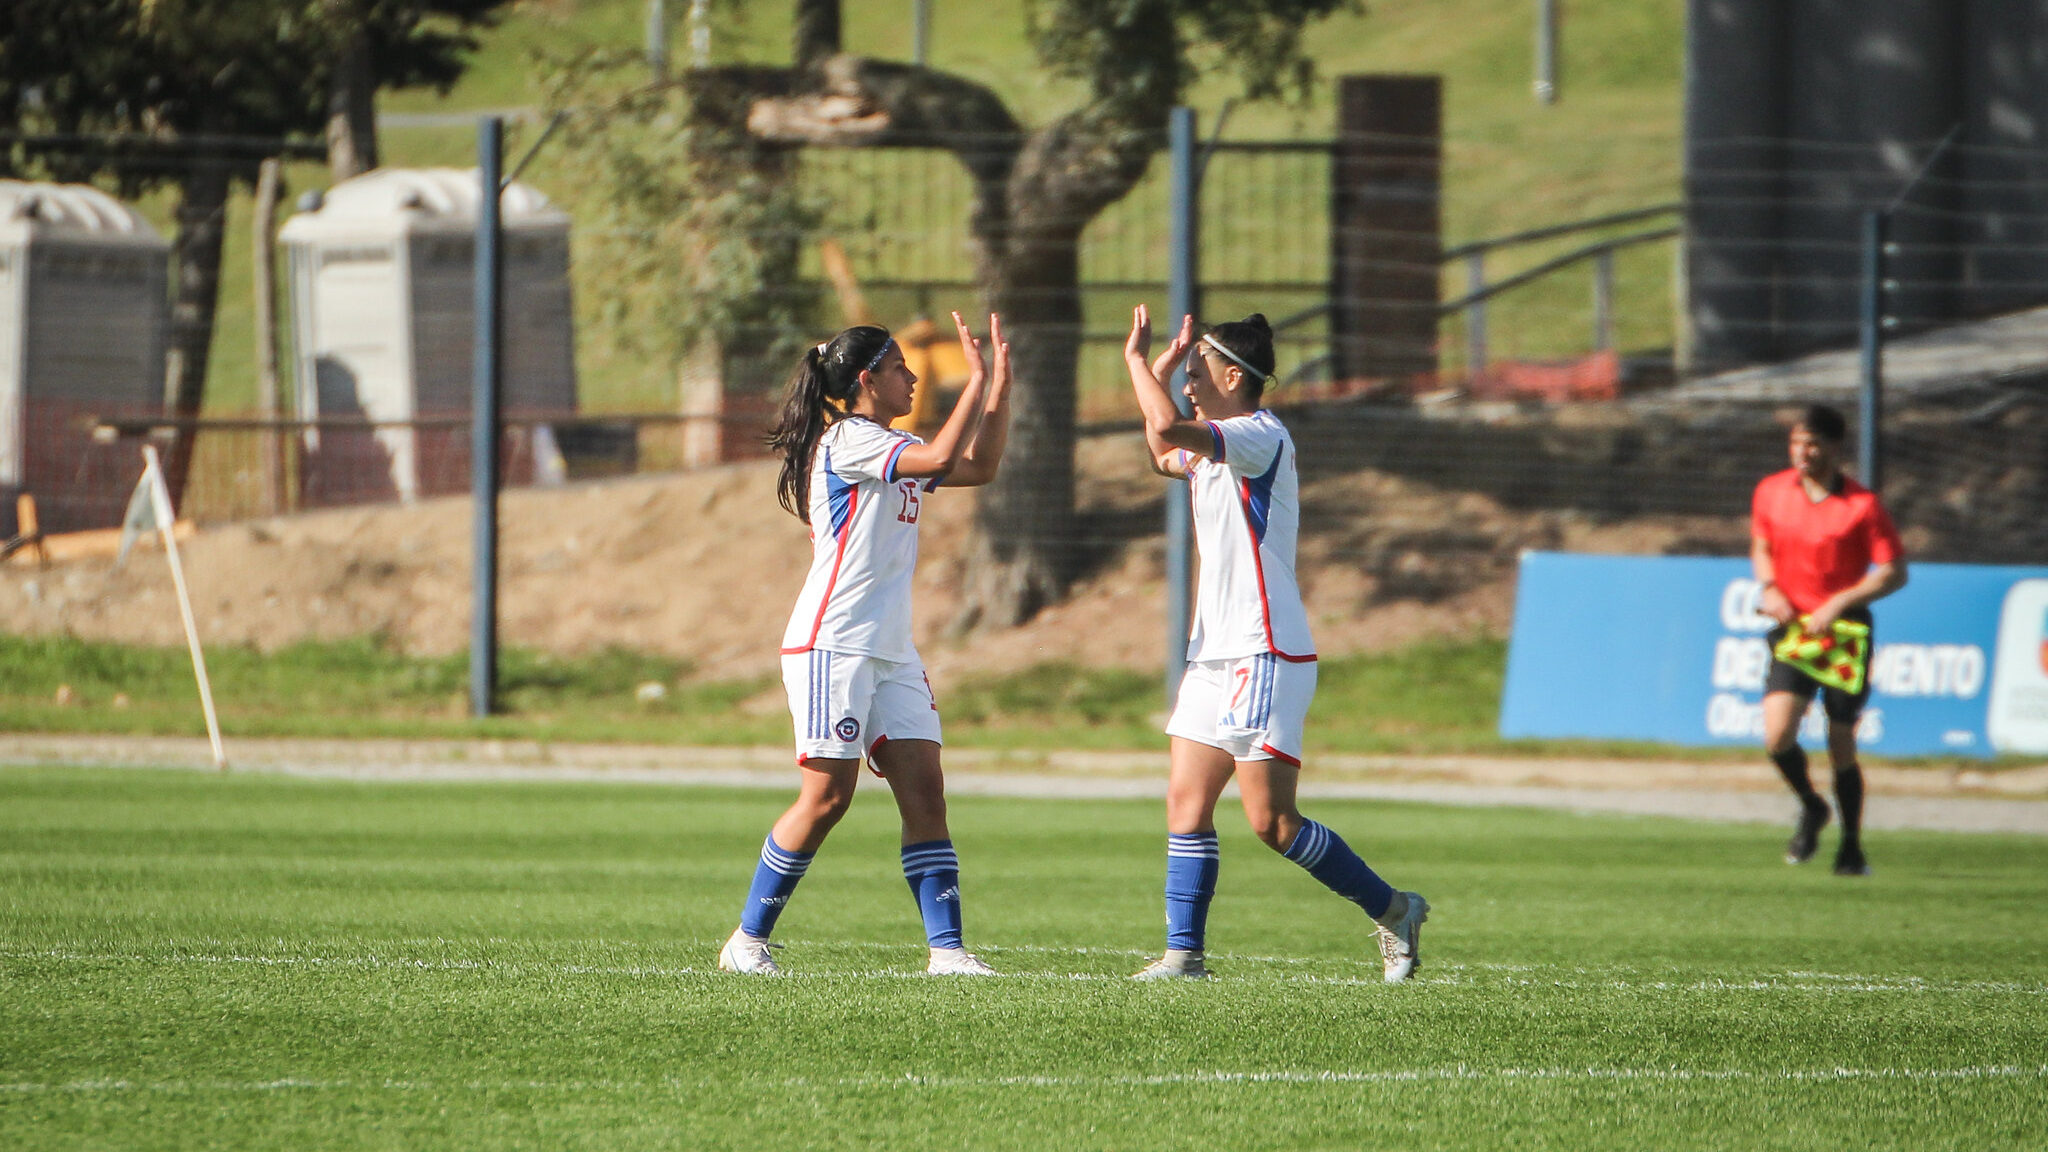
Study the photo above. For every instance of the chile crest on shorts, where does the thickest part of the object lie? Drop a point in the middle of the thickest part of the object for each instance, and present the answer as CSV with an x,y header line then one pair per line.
x,y
848,729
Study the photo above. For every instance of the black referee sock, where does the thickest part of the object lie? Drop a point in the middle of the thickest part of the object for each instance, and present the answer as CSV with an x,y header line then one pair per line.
x,y
1792,765
1849,798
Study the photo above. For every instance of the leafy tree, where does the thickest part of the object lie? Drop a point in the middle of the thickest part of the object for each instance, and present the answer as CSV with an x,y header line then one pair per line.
x,y
1036,190
195,94
687,229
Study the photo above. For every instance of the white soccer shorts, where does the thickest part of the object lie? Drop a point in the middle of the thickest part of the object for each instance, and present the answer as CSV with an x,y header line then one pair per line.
x,y
845,705
1253,707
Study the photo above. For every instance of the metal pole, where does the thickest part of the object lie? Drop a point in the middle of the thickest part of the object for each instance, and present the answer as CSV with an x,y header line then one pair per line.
x,y
1603,300
1870,326
920,32
657,40
1546,51
269,187
483,433
1475,315
700,34
1182,294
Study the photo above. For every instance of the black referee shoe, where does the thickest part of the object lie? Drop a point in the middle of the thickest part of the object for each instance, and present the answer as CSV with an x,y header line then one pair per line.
x,y
1849,861
1813,816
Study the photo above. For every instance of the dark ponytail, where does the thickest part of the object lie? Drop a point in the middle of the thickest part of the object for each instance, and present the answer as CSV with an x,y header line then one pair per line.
x,y
829,374
1251,341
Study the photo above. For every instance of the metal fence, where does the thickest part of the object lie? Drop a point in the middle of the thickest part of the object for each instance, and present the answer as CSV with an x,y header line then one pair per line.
x,y
1964,458
900,217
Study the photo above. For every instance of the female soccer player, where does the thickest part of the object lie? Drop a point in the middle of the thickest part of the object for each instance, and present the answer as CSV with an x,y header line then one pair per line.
x,y
1251,664
853,675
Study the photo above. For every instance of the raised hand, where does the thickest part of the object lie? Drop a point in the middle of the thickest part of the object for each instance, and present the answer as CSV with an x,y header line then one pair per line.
x,y
1184,339
1139,342
1002,349
970,348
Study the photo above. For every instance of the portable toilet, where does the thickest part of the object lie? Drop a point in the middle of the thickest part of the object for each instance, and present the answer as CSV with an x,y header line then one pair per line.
x,y
84,321
383,272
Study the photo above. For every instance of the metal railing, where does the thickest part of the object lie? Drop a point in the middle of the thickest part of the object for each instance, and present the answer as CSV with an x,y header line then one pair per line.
x,y
1601,252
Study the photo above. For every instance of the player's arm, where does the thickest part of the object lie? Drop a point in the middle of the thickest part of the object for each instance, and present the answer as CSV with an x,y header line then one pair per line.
x,y
1881,581
1770,600
938,458
985,451
1168,434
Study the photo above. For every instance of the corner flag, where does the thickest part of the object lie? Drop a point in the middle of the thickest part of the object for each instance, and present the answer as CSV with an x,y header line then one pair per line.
x,y
149,509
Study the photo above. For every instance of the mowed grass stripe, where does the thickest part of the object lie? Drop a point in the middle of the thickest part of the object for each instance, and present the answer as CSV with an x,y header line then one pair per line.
x,y
1289,1076
1475,975
274,962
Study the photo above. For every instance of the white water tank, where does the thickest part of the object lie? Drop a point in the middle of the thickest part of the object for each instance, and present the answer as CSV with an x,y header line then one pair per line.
x,y
383,277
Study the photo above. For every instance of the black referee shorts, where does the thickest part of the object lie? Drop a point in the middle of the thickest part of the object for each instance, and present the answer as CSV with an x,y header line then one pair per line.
x,y
1839,705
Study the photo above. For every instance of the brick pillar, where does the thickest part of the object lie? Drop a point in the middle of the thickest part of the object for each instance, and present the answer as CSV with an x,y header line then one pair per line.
x,y
1386,231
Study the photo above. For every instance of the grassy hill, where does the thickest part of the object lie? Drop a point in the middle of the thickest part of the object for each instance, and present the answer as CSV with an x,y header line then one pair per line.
x,y
1610,142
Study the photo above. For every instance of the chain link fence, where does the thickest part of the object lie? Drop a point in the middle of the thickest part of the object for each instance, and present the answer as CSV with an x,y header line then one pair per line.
x,y
1393,472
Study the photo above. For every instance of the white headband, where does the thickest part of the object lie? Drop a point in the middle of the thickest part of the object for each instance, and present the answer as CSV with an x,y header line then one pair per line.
x,y
1234,358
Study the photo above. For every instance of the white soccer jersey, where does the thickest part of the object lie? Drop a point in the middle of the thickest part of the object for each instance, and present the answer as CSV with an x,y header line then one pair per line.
x,y
1247,513
863,546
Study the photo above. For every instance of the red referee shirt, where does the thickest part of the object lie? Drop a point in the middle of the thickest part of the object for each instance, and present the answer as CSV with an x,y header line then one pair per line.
x,y
1819,549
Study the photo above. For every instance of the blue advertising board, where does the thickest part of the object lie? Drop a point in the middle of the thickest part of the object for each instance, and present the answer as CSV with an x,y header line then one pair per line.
x,y
1671,649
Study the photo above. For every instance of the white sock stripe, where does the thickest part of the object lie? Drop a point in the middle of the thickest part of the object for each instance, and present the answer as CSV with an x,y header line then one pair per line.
x,y
787,863
1310,844
924,862
1196,845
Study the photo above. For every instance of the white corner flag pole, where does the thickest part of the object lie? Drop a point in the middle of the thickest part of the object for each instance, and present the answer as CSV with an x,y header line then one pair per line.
x,y
160,502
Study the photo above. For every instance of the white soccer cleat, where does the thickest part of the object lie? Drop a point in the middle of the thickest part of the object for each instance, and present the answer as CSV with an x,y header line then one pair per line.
x,y
1177,964
747,955
1400,932
956,962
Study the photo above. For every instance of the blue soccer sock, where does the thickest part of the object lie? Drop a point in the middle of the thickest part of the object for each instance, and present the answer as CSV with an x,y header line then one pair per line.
x,y
1192,861
933,870
775,878
1332,861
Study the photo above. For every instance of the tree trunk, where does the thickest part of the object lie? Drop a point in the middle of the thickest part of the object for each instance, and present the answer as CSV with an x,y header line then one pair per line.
x,y
816,34
352,110
195,253
1022,554
1028,241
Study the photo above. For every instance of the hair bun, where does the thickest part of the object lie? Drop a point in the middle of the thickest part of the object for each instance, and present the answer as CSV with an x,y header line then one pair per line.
x,y
1258,320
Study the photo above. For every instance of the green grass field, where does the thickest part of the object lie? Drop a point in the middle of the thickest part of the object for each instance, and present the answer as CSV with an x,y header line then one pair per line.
x,y
1427,698
192,961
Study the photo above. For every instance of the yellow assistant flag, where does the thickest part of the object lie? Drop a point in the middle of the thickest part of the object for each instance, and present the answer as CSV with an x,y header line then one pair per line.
x,y
1840,658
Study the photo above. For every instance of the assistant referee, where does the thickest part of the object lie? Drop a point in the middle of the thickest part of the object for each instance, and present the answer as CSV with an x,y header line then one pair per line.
x,y
1822,547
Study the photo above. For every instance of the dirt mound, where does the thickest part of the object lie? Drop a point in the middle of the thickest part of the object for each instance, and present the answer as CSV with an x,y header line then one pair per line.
x,y
705,565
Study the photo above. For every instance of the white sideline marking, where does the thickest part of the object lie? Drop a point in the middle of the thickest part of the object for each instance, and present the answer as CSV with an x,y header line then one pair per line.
x,y
1446,975
1458,1073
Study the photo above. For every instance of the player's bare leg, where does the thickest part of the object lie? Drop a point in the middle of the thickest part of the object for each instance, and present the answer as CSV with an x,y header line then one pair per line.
x,y
1269,789
824,791
930,865
1782,713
